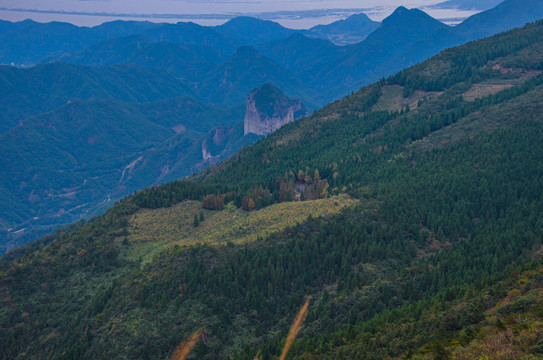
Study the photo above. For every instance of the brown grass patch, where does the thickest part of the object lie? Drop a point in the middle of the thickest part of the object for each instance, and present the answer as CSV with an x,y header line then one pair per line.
x,y
295,328
184,349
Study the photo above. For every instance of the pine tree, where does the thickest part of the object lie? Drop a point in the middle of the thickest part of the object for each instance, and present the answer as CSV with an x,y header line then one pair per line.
x,y
195,222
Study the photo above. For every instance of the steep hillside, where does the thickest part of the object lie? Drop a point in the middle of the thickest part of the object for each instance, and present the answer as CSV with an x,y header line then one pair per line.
x,y
418,260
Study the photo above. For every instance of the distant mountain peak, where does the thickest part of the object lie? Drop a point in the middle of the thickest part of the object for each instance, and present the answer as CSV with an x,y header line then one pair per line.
x,y
400,10
252,31
352,30
414,20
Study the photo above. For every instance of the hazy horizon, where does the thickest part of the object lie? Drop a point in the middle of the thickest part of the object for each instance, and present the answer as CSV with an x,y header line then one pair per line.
x,y
294,14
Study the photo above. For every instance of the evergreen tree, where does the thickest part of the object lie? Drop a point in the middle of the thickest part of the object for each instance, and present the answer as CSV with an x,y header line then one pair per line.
x,y
195,222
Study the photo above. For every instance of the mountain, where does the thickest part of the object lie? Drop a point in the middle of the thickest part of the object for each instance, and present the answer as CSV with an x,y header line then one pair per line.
x,y
507,15
398,27
301,55
189,33
323,72
231,81
252,31
172,63
188,62
27,42
29,92
354,29
268,109
212,78
409,212
118,28
377,56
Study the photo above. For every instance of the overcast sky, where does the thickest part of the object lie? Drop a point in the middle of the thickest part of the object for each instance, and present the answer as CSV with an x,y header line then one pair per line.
x,y
291,13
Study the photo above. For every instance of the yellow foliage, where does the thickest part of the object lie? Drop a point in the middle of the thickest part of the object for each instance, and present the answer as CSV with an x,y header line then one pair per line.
x,y
153,229
251,205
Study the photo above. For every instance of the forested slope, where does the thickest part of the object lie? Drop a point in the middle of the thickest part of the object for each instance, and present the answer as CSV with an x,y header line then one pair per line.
x,y
441,166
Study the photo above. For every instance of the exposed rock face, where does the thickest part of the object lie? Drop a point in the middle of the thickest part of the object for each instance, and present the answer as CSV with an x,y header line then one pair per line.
x,y
215,142
267,109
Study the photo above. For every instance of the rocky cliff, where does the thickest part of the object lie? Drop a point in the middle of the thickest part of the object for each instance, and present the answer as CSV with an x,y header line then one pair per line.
x,y
267,109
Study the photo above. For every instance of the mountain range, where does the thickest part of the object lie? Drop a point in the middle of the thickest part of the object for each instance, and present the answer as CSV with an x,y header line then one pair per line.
x,y
196,77
404,219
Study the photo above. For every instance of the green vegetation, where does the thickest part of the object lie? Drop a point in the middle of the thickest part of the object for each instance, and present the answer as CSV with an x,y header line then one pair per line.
x,y
434,254
174,225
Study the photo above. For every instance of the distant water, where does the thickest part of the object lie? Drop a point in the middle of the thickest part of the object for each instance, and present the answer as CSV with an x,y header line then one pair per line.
x,y
296,14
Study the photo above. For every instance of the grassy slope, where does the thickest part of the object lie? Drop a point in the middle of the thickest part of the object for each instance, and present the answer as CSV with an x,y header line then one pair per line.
x,y
159,228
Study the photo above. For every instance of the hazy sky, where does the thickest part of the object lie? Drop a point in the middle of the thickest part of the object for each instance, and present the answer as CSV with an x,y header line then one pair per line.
x,y
291,13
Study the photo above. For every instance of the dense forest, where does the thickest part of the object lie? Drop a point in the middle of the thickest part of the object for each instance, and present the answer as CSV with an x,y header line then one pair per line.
x,y
438,257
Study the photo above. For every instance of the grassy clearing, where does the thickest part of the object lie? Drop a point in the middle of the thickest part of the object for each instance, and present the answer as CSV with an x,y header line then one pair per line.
x,y
495,85
392,98
152,230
